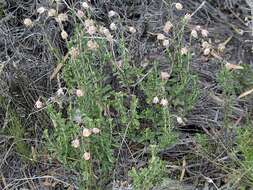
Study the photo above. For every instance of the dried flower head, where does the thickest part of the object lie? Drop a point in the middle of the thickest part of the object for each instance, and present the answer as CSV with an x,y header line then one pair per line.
x,y
88,23
86,132
179,6
113,26
79,93
155,100
86,156
132,29
112,13
28,22
167,27
164,102
166,43
75,143
92,45
51,12
221,47
38,104
62,17
184,51
205,44
194,33
95,130
165,75
41,10
91,30
64,35
207,51
204,33
85,5
161,36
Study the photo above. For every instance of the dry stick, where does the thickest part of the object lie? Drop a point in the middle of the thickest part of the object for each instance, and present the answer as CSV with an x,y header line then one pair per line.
x,y
59,66
246,93
250,3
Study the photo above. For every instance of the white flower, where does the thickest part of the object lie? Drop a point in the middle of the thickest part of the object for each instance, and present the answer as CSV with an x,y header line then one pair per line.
x,y
166,43
64,35
207,51
88,23
86,132
112,13
132,29
160,37
194,33
51,12
38,104
28,22
41,10
113,26
79,93
60,92
198,27
85,5
91,30
164,102
165,75
155,100
95,130
167,27
204,33
75,143
184,51
86,156
179,6
180,120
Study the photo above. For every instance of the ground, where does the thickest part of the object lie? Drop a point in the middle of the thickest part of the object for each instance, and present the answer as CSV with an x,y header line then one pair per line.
x,y
144,94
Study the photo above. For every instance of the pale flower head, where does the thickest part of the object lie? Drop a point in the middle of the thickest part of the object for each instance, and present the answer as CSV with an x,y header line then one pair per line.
x,y
194,33
38,104
80,13
205,44
75,143
161,36
60,92
155,100
64,35
62,17
95,130
85,5
112,13
204,33
165,75
167,27
179,6
79,93
88,23
51,12
113,26
184,51
91,30
166,43
180,120
132,29
86,156
164,102
86,132
28,22
198,27
41,10
207,51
